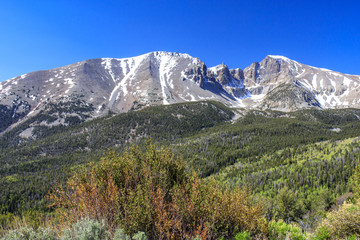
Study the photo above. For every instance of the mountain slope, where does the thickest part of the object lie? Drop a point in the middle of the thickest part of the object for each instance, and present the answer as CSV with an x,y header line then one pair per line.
x,y
97,87
29,169
111,85
204,133
328,89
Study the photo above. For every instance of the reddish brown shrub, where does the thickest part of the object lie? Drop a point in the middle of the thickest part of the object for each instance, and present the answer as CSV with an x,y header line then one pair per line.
x,y
150,191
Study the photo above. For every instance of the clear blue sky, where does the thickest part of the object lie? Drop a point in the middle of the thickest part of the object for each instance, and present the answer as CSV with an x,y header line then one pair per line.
x,y
40,35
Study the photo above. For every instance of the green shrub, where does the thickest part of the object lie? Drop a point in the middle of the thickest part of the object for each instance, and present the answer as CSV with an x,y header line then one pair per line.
x,y
6,219
322,233
86,229
342,223
30,234
281,230
352,237
140,236
243,236
121,235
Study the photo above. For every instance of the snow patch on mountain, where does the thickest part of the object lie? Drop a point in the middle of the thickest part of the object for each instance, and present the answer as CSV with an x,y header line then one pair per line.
x,y
167,63
108,66
216,68
131,65
280,57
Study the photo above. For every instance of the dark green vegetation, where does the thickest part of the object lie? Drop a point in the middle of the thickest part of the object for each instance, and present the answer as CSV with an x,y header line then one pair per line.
x,y
297,163
9,116
36,165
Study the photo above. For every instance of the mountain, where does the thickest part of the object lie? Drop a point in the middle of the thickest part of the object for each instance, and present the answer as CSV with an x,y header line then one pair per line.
x,y
283,84
75,93
54,122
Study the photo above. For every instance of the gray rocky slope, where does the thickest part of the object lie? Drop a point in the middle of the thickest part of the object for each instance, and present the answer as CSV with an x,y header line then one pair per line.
x,y
96,87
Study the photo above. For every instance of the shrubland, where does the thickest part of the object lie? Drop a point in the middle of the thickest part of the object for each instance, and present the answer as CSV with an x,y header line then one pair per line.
x,y
153,192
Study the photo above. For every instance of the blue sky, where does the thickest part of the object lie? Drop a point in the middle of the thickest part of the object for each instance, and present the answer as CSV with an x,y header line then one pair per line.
x,y
40,35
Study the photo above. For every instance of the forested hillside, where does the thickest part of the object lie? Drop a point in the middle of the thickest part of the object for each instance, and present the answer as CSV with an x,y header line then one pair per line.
x,y
29,169
297,164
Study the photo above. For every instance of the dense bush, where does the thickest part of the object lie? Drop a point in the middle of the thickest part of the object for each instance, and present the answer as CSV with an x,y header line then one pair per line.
x,y
243,236
322,233
30,234
152,191
281,230
344,222
85,229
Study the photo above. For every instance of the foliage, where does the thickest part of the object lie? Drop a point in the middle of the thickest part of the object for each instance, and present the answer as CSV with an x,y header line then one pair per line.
x,y
343,222
39,163
243,236
296,154
30,234
289,207
322,233
86,229
6,219
140,236
355,182
298,183
281,230
151,191
352,237
121,235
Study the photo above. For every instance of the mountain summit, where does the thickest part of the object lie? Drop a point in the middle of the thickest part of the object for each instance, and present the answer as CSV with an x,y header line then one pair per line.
x,y
96,87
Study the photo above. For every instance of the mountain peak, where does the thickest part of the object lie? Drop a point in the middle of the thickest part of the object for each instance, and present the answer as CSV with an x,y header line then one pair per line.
x,y
281,58
278,57
218,67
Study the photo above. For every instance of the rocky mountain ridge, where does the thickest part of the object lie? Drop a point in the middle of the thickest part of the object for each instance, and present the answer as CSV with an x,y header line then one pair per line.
x,y
95,87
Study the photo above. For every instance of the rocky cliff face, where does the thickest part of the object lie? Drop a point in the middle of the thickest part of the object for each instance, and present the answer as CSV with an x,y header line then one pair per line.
x,y
95,87
283,84
230,80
